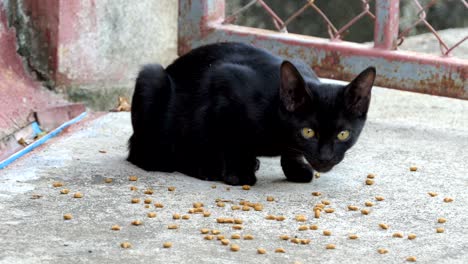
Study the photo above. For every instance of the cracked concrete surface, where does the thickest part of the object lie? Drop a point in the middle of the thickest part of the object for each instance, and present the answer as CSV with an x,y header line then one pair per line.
x,y
403,130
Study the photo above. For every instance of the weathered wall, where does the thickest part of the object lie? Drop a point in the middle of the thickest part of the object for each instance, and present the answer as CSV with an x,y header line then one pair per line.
x,y
93,49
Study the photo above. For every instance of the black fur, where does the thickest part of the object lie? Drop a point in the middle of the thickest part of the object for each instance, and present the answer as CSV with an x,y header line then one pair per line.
x,y
214,110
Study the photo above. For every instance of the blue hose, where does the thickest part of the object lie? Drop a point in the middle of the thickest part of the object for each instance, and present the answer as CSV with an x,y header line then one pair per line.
x,y
40,141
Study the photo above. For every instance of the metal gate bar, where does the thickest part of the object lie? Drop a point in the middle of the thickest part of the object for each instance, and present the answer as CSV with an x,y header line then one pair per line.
x,y
203,21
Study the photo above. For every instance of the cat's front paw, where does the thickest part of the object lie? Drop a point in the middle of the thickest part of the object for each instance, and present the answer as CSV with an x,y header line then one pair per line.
x,y
235,180
298,172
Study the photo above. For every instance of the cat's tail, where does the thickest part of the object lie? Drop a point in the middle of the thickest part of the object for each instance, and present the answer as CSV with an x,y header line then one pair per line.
x,y
149,107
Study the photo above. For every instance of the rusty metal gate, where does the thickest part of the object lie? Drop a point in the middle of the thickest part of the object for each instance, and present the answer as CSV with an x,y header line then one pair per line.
x,y
204,21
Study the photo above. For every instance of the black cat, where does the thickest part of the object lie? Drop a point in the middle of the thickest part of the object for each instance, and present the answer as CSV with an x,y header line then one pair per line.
x,y
214,110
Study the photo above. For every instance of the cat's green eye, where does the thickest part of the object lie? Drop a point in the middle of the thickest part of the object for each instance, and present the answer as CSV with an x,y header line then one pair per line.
x,y
343,135
308,133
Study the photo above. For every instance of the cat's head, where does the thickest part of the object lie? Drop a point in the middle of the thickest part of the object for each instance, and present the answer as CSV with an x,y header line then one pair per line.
x,y
322,120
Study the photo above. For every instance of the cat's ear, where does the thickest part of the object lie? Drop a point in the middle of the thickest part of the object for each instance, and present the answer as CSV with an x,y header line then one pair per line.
x,y
293,91
358,93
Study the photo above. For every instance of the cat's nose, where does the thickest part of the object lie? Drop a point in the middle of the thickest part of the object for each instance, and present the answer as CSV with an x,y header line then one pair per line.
x,y
326,154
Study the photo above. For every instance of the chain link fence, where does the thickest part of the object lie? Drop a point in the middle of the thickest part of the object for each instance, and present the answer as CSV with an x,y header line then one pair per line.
x,y
339,38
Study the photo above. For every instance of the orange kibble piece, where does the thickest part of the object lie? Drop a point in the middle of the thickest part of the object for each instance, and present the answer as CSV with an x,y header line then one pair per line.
x,y
108,180
383,226
246,187
78,195
330,246
270,199
149,191
316,193
171,188
382,250
327,232
135,200
57,184
353,236
151,214
64,191
137,222
133,178
379,198
67,216
126,245
235,247
280,250
115,227
167,244
448,199
411,236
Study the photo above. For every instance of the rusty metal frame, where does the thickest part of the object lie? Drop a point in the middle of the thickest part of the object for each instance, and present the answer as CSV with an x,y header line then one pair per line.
x,y
203,21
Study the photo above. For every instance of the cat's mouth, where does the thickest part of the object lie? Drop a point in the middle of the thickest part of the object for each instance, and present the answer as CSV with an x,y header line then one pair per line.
x,y
322,168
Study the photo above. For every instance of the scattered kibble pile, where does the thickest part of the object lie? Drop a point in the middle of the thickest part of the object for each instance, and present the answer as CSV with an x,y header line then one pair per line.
x,y
234,232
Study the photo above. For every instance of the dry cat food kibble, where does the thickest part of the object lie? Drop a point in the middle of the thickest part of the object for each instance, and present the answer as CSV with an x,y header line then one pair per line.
x,y
280,250
115,227
365,211
303,228
225,241
172,226
237,227
235,207
317,213
295,240
133,188
149,191
204,231
369,204
208,237
147,206
245,208
301,218
330,246
220,237
57,184
352,208
326,202
151,214
370,176
108,180
440,230
369,181
270,199
398,234
78,195
197,205
158,205
413,168
353,236
326,232
186,217
176,216
238,221
261,251
246,187
284,237
433,194
270,217
235,247
280,218
313,227
441,220
126,245
215,232
258,207
316,193
171,188
379,198
148,201
137,222
329,210
64,191
67,216
411,258
135,200
206,214
235,236
383,226
305,241
167,244
133,178
411,236
248,237
448,199
382,250
220,204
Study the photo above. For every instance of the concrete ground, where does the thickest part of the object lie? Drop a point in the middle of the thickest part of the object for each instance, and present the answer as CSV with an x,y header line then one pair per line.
x,y
404,129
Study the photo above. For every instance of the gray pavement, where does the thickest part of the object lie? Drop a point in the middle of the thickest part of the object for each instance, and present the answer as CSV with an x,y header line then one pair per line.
x,y
404,129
